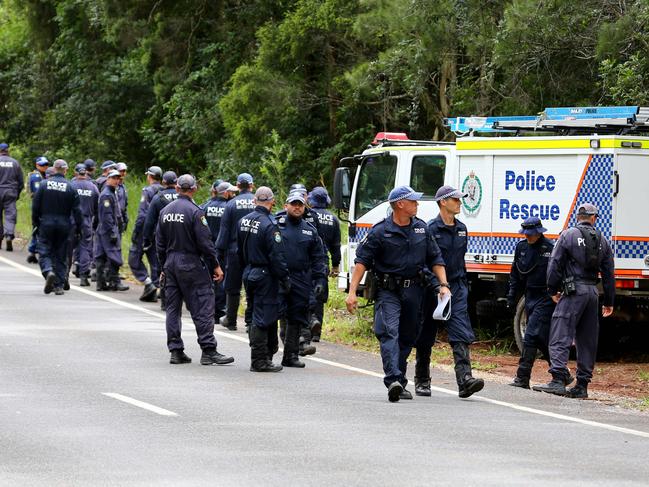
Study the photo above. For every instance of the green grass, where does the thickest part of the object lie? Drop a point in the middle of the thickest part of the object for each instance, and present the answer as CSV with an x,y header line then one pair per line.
x,y
484,367
644,403
643,375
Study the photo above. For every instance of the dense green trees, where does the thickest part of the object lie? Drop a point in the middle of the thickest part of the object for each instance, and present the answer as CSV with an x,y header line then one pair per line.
x,y
215,86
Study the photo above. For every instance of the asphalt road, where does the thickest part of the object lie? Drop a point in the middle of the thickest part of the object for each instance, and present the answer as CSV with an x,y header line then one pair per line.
x,y
70,362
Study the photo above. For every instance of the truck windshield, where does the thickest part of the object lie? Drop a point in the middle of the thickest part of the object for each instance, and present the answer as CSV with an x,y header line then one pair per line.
x,y
375,181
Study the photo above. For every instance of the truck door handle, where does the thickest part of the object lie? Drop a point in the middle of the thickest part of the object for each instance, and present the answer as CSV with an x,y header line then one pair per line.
x,y
616,190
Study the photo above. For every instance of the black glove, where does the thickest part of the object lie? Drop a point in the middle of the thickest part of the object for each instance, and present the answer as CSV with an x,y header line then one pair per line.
x,y
284,286
113,238
319,292
511,306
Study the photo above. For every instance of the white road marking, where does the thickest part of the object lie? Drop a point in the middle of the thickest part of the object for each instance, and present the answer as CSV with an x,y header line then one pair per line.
x,y
140,404
540,412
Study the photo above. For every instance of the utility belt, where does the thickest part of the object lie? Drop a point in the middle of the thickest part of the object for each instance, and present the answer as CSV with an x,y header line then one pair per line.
x,y
570,284
392,282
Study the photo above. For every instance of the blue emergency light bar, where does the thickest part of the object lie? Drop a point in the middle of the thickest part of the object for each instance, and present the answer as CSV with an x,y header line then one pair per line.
x,y
553,118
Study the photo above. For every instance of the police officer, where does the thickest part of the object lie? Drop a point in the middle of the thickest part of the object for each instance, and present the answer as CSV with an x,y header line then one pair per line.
x,y
400,250
580,254
106,168
108,239
91,165
265,275
159,201
136,252
88,200
226,247
528,274
451,237
189,264
330,232
306,266
34,180
11,184
55,204
222,192
122,195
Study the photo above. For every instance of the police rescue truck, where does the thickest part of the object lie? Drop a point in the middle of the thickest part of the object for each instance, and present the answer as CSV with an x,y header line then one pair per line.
x,y
512,168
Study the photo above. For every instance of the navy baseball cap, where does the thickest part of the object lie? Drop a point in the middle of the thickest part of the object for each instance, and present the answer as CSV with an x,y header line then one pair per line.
x,y
532,226
447,191
108,165
49,171
296,196
319,197
80,168
155,171
113,173
186,181
216,183
587,209
404,193
244,178
225,186
42,161
298,187
169,177
90,164
4,146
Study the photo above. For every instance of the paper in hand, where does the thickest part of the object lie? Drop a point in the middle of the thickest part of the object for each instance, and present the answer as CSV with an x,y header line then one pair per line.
x,y
443,310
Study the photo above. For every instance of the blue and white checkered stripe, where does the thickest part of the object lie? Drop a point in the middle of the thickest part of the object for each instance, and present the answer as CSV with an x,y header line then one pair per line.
x,y
630,249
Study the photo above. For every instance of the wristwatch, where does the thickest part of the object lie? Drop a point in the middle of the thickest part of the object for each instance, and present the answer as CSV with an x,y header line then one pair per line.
x,y
444,284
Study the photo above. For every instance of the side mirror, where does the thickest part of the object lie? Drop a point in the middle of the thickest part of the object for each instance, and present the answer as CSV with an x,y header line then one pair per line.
x,y
342,188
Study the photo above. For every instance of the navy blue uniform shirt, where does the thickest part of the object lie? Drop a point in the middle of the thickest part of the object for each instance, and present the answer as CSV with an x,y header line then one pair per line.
x,y
148,192
88,196
452,241
329,230
182,228
214,209
237,207
11,174
304,247
159,201
403,251
56,199
260,243
569,259
34,179
530,266
109,215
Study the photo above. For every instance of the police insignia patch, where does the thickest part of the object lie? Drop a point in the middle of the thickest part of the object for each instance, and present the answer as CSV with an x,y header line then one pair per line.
x,y
278,237
204,220
106,203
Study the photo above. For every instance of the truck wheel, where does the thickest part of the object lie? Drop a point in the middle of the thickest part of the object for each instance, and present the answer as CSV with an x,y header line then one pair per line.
x,y
520,323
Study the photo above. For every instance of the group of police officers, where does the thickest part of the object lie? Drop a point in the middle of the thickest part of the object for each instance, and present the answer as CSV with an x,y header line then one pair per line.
x,y
203,255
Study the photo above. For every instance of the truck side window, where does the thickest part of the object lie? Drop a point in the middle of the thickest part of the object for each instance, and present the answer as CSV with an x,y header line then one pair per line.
x,y
376,180
427,174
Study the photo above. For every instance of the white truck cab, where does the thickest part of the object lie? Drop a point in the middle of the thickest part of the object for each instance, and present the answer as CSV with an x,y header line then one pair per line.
x,y
512,168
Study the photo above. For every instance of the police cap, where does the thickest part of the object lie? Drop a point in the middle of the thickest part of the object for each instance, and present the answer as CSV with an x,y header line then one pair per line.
x,y
42,161
295,196
113,173
80,168
244,178
108,165
319,197
121,166
298,187
169,177
404,193
186,181
155,171
447,191
225,186
264,193
587,209
90,164
60,164
4,146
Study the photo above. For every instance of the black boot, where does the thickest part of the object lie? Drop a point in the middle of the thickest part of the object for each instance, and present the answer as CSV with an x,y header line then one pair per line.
x,y
179,357
422,371
291,346
114,281
83,281
149,293
100,273
316,328
467,384
50,277
282,329
93,275
580,391
524,372
32,259
211,357
10,245
66,284
229,321
259,351
305,348
556,386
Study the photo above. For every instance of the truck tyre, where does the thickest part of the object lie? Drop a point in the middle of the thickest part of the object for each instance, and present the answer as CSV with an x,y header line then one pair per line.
x,y
520,323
